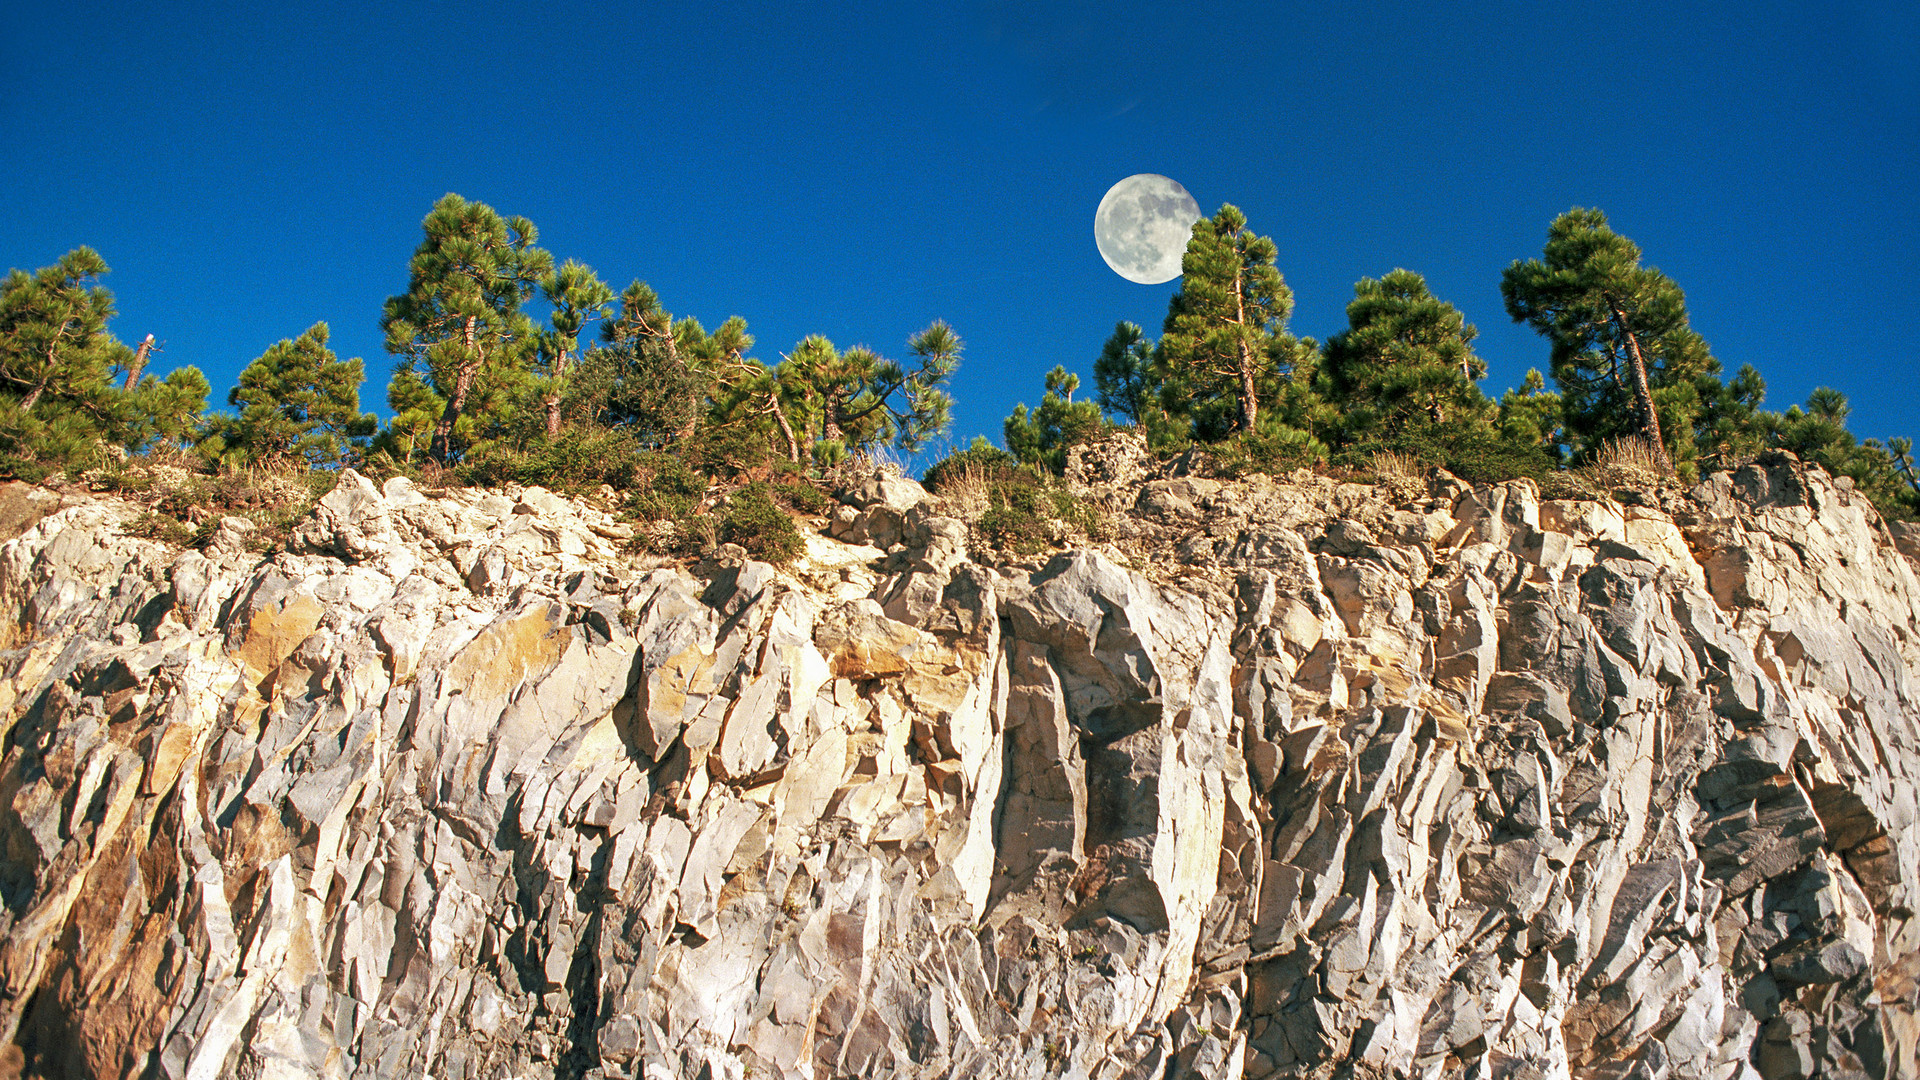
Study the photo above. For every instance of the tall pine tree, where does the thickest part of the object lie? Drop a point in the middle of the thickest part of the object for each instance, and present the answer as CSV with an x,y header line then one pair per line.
x,y
297,401
1624,355
1405,360
578,298
1222,337
57,399
460,317
1122,375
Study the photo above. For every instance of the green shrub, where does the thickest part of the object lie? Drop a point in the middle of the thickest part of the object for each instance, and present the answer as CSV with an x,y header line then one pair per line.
x,y
1024,514
162,527
660,487
1014,521
1473,452
1273,452
980,463
579,460
757,523
801,495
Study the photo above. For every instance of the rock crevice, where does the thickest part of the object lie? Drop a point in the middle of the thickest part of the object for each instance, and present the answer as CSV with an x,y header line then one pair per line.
x,y
1297,779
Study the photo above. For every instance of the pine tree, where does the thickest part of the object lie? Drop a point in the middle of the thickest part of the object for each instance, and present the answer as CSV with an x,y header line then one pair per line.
x,y
416,412
1219,342
1123,374
635,387
1624,356
168,412
647,330
460,315
1042,436
57,401
578,297
1728,426
1532,417
298,401
746,390
1405,359
859,399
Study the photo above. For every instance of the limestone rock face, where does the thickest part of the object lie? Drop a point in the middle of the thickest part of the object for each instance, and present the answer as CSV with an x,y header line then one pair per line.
x,y
1307,780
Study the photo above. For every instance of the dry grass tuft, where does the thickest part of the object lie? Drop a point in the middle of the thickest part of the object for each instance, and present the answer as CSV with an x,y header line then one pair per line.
x,y
1629,454
1392,465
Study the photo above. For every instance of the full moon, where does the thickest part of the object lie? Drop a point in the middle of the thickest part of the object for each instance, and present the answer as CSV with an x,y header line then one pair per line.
x,y
1142,227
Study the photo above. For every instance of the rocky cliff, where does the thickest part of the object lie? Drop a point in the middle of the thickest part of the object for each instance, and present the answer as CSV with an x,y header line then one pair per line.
x,y
1288,778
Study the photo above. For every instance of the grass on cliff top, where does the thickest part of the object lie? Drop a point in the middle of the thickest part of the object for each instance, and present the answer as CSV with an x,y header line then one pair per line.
x,y
185,501
1012,507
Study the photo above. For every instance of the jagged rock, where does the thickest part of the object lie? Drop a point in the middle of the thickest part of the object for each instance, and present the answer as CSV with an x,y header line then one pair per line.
x,y
1306,779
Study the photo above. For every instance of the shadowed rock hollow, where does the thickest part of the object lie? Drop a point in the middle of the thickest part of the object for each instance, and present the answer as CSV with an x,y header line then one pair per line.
x,y
1291,779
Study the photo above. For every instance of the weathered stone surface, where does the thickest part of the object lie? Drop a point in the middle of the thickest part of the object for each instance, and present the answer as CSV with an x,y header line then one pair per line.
x,y
1303,779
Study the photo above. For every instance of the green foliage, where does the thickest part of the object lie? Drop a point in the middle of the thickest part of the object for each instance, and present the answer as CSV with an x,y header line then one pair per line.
x,y
460,318
981,462
1818,433
57,402
1530,417
638,386
857,400
1727,430
578,298
1123,374
1027,514
297,401
167,413
758,524
579,460
802,495
187,510
1624,356
1273,450
1043,436
749,396
416,409
1465,447
663,488
1405,360
1222,335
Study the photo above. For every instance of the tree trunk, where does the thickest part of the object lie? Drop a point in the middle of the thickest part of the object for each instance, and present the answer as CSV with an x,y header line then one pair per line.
x,y
1643,394
830,429
1906,470
33,395
552,399
139,363
1249,401
780,417
442,448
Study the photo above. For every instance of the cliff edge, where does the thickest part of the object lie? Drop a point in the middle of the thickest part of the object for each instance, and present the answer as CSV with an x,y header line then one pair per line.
x,y
1292,779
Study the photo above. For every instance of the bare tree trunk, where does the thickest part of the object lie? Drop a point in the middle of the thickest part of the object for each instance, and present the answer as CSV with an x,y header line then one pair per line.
x,y
1249,401
139,363
1643,395
33,395
780,417
552,400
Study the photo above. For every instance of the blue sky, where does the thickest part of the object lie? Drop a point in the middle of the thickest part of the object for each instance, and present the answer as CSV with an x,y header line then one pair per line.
x,y
863,170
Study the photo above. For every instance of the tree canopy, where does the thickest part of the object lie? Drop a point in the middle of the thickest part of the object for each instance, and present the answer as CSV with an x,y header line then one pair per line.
x,y
460,318
1223,332
1405,359
296,401
494,382
1624,355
